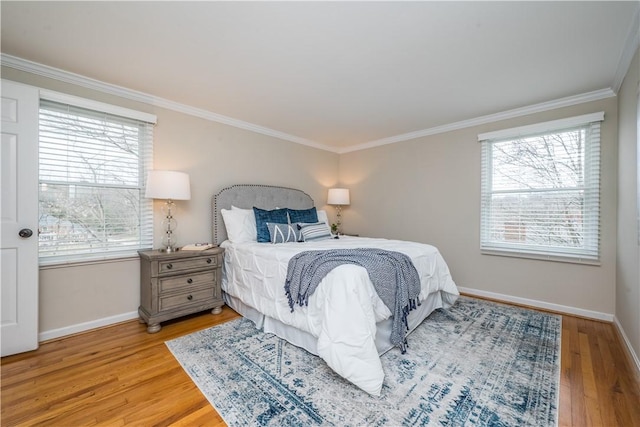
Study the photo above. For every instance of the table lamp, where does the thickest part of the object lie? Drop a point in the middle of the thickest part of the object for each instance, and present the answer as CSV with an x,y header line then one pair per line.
x,y
338,197
168,186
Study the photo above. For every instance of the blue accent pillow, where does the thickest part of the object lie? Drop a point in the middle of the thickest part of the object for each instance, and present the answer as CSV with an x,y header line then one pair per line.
x,y
283,233
263,216
303,215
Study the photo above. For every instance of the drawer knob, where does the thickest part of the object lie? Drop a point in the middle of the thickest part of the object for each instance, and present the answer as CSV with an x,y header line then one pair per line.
x,y
169,266
189,280
208,260
190,297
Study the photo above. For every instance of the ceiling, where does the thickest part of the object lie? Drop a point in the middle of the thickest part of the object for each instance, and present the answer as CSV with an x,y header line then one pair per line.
x,y
337,75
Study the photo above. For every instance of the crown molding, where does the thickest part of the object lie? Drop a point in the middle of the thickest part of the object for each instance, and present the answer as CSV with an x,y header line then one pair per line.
x,y
133,95
509,114
89,83
72,78
630,47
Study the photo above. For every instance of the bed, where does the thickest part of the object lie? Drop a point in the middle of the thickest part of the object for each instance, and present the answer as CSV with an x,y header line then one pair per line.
x,y
345,322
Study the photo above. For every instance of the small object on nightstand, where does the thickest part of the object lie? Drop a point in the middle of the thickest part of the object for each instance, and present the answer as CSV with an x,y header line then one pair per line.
x,y
179,283
337,236
198,246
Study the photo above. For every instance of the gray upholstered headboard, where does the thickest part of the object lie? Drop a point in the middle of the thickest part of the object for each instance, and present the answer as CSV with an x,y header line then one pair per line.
x,y
261,196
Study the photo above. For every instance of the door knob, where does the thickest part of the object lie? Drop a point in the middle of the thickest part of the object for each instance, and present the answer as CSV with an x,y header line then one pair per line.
x,y
25,232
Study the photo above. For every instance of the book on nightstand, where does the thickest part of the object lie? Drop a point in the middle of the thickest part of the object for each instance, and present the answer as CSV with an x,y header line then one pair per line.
x,y
198,247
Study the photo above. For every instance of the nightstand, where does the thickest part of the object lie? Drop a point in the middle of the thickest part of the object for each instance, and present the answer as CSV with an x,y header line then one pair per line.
x,y
179,283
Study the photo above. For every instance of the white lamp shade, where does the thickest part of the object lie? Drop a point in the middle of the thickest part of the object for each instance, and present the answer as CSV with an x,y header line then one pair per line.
x,y
168,185
338,196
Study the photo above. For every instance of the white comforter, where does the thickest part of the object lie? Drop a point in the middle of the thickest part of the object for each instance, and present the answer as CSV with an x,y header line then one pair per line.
x,y
344,309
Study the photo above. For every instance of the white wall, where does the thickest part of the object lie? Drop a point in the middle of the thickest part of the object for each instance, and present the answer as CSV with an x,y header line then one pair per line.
x,y
428,190
87,296
628,261
215,156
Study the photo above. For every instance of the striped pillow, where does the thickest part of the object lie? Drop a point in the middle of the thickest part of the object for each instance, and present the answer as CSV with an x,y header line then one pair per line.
x,y
283,233
317,231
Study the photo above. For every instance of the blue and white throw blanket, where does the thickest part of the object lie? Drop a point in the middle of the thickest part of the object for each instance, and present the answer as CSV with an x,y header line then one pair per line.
x,y
394,277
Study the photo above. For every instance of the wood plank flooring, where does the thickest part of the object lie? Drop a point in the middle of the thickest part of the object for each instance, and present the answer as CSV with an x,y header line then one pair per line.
x,y
122,376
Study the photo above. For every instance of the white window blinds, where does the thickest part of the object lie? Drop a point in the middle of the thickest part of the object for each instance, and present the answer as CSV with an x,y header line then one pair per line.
x,y
92,173
541,190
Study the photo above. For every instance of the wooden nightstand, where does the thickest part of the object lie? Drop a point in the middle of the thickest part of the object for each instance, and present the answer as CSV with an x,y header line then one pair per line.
x,y
179,283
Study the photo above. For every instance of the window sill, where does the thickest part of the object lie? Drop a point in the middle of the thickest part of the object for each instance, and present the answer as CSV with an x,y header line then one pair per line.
x,y
541,257
47,264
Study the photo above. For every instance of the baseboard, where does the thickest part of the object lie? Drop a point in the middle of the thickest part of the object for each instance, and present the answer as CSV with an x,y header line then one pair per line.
x,y
539,304
106,321
86,326
631,354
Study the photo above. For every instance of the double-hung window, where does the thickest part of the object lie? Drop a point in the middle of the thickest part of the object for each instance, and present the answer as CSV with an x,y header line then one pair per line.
x,y
541,190
93,160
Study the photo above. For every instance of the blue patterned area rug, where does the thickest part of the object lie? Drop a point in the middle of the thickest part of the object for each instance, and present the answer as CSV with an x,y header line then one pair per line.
x,y
476,364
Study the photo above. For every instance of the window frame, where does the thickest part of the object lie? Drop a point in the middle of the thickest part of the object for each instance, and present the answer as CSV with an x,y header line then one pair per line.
x,y
589,251
145,163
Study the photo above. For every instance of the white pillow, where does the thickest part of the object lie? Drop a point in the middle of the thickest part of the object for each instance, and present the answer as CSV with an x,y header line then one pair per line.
x,y
322,217
240,224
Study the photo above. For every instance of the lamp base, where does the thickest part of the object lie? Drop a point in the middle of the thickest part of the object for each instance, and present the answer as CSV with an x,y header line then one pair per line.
x,y
170,224
339,219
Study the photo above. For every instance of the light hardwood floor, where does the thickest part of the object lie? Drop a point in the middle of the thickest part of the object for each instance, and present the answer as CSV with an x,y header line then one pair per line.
x,y
120,375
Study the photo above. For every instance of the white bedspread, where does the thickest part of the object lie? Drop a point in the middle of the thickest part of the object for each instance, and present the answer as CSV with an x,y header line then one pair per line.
x,y
344,309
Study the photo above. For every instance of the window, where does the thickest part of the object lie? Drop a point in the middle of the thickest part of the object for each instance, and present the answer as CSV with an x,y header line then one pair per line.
x,y
541,190
92,168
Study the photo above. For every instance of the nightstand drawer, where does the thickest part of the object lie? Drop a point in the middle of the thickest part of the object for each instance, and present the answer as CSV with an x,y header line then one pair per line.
x,y
186,299
175,283
171,266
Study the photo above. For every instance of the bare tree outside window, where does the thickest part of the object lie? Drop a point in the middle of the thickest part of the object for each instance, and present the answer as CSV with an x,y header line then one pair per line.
x,y
91,177
551,170
541,191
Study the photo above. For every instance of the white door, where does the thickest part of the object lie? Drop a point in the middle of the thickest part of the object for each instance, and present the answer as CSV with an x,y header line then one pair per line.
x,y
19,212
